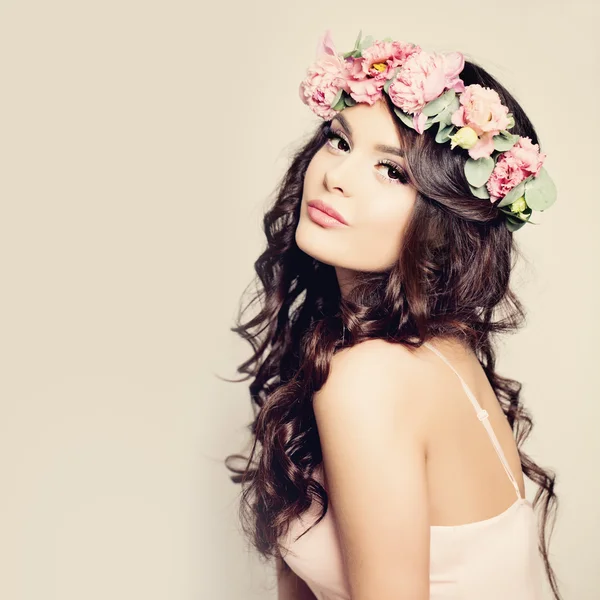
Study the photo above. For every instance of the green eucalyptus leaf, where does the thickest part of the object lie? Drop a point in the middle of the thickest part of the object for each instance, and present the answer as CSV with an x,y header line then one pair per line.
x,y
479,171
451,109
428,124
357,42
513,195
504,141
511,121
368,41
519,216
389,82
480,192
514,224
445,115
350,101
444,133
338,101
435,119
438,104
540,192
406,119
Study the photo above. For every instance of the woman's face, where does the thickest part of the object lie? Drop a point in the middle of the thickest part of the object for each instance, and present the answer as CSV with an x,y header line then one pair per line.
x,y
366,184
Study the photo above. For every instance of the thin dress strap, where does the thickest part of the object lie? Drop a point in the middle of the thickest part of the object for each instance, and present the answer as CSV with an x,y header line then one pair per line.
x,y
483,417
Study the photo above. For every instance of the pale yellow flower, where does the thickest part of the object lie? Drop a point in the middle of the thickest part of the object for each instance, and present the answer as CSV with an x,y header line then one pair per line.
x,y
465,137
519,205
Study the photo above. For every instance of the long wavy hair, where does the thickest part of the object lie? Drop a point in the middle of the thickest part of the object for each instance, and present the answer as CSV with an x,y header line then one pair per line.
x,y
451,279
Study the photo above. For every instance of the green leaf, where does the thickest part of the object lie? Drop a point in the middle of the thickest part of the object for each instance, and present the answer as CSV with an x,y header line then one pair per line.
x,y
428,124
357,42
540,192
445,116
451,109
389,82
338,101
527,212
444,133
350,101
480,192
504,141
366,42
511,121
513,195
479,171
515,220
438,104
406,119
514,224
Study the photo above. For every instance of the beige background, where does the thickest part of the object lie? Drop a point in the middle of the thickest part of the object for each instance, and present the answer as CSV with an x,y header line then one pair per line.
x,y
139,145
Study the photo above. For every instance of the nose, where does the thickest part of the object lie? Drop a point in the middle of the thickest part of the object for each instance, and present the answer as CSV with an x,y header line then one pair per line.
x,y
336,178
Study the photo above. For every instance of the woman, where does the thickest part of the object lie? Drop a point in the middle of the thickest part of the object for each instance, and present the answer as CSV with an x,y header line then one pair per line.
x,y
386,461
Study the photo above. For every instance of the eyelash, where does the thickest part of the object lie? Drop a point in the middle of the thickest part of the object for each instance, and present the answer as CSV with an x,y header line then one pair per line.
x,y
402,179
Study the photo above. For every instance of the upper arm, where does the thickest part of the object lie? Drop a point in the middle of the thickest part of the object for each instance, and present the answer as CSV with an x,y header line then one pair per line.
x,y
289,585
370,426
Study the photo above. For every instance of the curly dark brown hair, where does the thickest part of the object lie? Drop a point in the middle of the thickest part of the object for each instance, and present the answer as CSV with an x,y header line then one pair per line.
x,y
451,279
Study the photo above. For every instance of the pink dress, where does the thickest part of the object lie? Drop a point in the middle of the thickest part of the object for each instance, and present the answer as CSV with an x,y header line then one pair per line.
x,y
495,559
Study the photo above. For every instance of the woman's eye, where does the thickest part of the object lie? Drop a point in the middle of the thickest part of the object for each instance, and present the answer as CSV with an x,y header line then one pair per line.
x,y
399,177
331,136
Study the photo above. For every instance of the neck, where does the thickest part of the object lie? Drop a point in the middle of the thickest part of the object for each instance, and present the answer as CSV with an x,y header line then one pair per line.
x,y
345,279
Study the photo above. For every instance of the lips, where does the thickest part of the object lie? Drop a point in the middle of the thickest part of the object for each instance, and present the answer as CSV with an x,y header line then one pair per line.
x,y
327,209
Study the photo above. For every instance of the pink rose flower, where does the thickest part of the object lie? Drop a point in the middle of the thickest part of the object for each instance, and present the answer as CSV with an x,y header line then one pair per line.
x,y
513,166
324,79
484,146
482,110
424,77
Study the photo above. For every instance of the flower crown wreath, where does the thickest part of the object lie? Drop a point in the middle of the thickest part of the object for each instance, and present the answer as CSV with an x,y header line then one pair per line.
x,y
425,89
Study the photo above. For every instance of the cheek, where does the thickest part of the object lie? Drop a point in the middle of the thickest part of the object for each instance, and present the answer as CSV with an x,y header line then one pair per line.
x,y
382,228
315,168
391,213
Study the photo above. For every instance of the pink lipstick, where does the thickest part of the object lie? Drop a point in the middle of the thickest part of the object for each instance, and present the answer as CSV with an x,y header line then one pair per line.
x,y
325,215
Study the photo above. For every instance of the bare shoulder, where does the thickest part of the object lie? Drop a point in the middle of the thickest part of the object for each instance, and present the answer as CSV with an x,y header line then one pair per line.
x,y
379,375
395,377
370,426
376,353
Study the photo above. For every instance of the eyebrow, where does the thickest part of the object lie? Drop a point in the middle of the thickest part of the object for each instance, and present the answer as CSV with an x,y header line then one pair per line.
x,y
381,147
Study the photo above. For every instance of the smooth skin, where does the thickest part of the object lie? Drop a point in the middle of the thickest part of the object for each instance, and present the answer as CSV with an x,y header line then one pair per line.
x,y
351,174
402,446
290,586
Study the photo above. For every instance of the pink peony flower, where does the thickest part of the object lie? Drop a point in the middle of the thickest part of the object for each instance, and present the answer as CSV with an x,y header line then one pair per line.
x,y
481,109
369,73
402,51
367,90
506,175
324,79
513,166
424,77
529,156
376,60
